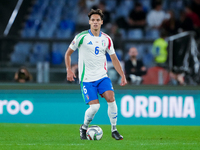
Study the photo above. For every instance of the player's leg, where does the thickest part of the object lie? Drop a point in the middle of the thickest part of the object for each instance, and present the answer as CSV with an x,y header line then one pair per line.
x,y
112,108
106,90
112,113
90,112
89,115
89,94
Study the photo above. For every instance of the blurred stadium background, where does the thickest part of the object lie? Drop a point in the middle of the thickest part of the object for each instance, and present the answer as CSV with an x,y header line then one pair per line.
x,y
37,33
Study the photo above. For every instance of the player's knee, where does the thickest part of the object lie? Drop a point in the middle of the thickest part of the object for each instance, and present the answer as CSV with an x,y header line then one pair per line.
x,y
95,107
110,99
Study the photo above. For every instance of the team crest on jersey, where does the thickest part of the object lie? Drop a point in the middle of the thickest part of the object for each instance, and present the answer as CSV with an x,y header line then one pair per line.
x,y
73,42
103,43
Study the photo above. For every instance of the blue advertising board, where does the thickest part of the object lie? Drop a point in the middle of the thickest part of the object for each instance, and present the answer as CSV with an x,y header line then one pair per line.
x,y
135,107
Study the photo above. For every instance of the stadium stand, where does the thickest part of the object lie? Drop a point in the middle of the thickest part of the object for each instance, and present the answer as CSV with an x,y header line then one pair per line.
x,y
44,28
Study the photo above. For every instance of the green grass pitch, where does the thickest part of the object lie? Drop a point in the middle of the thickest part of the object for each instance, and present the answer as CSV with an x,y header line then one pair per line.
x,y
66,137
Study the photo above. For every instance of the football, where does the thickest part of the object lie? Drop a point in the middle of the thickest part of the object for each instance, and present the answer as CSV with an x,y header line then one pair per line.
x,y
94,133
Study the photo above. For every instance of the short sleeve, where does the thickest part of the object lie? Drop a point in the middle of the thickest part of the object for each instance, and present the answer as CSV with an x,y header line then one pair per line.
x,y
110,49
74,44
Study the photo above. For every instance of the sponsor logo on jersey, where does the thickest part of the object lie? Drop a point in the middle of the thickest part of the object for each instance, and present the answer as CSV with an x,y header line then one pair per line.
x,y
103,43
90,43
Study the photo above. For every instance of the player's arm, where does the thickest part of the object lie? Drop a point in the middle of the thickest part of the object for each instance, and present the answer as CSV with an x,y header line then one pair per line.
x,y
118,68
70,73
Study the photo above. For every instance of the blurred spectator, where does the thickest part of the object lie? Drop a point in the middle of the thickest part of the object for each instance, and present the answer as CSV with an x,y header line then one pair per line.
x,y
155,2
122,23
82,13
23,75
137,17
177,78
160,49
107,16
91,3
114,31
134,68
195,5
180,76
156,16
118,2
186,23
171,25
193,16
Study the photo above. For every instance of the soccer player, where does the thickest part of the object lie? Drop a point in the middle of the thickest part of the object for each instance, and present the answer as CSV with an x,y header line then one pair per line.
x,y
92,65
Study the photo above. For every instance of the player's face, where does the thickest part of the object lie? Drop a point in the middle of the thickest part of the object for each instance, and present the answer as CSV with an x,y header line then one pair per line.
x,y
95,22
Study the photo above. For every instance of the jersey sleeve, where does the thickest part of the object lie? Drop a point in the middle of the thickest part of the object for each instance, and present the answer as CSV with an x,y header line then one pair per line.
x,y
110,49
74,44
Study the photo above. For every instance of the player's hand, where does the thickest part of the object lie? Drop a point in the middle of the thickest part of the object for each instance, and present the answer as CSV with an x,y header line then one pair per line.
x,y
123,81
70,75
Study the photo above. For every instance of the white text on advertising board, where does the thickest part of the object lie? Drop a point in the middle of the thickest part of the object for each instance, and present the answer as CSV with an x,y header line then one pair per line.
x,y
13,107
155,106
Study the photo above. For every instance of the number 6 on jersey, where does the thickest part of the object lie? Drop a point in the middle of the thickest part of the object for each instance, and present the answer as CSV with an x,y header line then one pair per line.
x,y
96,50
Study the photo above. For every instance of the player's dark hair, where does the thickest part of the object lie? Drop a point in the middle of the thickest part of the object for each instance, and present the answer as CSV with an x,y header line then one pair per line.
x,y
97,11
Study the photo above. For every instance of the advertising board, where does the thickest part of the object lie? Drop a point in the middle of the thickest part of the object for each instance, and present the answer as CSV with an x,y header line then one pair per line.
x,y
135,107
